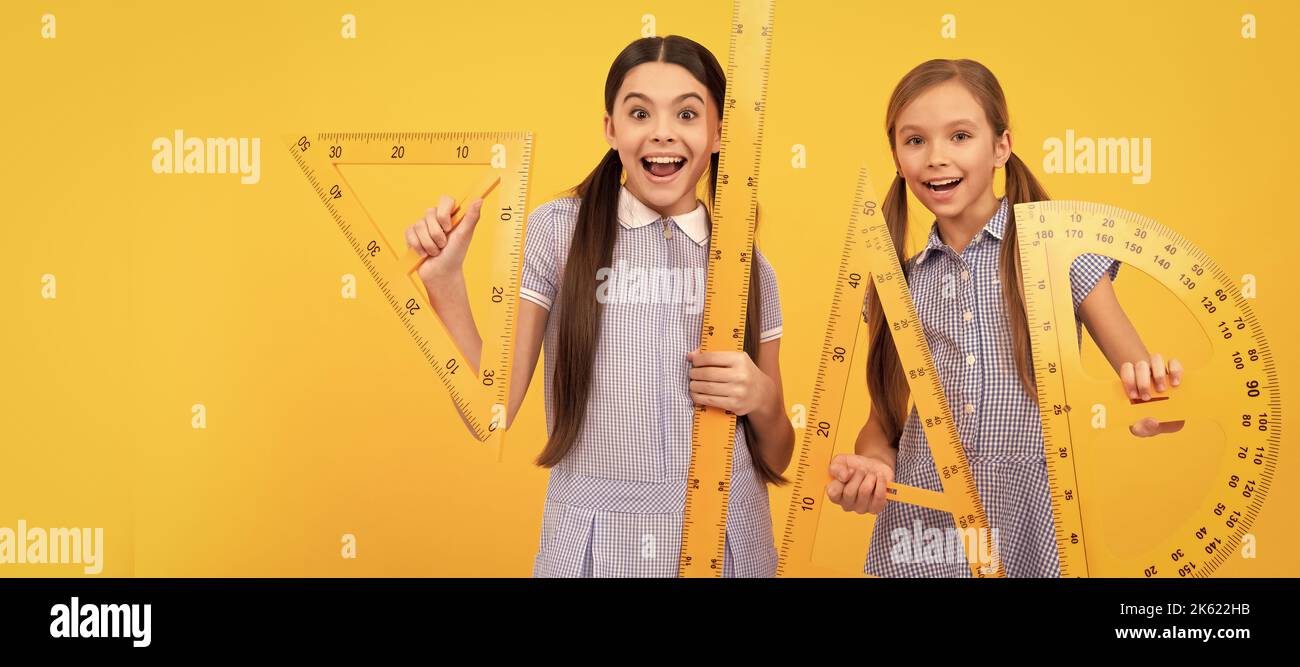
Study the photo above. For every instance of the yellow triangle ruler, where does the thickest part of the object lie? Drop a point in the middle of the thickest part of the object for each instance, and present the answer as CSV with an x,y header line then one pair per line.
x,y
734,216
500,161
868,254
1161,506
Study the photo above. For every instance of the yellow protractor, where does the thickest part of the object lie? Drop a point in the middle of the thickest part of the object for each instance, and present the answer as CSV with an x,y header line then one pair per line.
x,y
1153,507
734,216
504,159
868,254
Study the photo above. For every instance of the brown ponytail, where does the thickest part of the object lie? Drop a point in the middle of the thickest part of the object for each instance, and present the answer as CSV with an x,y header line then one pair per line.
x,y
579,325
1021,187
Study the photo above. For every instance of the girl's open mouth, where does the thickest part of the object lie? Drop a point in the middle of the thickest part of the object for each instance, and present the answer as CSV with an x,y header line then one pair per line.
x,y
663,167
943,184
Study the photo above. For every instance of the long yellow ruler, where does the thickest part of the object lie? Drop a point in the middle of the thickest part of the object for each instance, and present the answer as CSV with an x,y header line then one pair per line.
x,y
868,254
1162,506
500,161
734,216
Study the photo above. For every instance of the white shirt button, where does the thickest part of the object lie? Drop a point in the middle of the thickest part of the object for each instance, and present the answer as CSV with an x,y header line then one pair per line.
x,y
965,275
967,316
970,409
970,360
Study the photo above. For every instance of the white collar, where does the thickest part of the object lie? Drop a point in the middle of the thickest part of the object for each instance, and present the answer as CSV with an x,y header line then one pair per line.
x,y
633,213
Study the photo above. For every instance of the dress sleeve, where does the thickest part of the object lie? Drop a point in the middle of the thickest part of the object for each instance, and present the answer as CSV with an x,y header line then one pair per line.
x,y
769,298
1085,272
539,275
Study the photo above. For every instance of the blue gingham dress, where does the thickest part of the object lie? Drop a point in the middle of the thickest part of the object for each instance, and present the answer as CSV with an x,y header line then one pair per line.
x,y
614,503
959,301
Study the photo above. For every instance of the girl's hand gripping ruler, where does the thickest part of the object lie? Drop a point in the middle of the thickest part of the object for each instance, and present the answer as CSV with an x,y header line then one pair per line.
x,y
734,215
1163,506
502,161
868,254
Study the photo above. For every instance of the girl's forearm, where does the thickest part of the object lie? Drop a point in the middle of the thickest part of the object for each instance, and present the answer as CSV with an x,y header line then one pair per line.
x,y
873,443
773,430
450,301
1110,327
1119,341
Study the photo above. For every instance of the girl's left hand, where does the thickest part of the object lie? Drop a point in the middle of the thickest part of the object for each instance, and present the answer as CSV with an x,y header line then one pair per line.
x,y
727,380
1144,378
1141,378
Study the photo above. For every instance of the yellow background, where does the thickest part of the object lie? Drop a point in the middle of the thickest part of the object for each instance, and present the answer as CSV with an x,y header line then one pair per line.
x,y
183,289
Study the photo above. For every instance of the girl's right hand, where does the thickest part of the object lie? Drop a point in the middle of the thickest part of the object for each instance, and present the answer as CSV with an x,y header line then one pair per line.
x,y
858,483
433,237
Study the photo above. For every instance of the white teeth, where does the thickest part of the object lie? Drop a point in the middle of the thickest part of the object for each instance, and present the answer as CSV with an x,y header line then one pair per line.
x,y
943,182
665,159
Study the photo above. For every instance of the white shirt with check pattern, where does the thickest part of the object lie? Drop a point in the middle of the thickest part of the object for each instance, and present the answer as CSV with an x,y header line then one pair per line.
x,y
958,298
614,503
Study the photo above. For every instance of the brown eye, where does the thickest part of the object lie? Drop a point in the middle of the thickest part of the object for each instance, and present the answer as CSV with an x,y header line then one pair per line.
x,y
640,114
687,114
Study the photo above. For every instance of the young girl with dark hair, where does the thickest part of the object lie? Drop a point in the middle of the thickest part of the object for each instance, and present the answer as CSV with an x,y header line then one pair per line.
x,y
623,372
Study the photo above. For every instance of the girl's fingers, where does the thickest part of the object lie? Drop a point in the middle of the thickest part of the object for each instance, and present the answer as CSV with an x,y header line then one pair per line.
x,y
413,241
879,495
439,237
430,248
445,204
850,497
866,492
882,496
710,388
702,358
1126,376
1158,371
722,402
712,374
835,491
471,216
1145,428
839,468
1175,372
1142,373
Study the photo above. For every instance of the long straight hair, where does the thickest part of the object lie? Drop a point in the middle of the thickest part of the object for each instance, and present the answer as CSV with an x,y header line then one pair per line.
x,y
592,247
885,379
